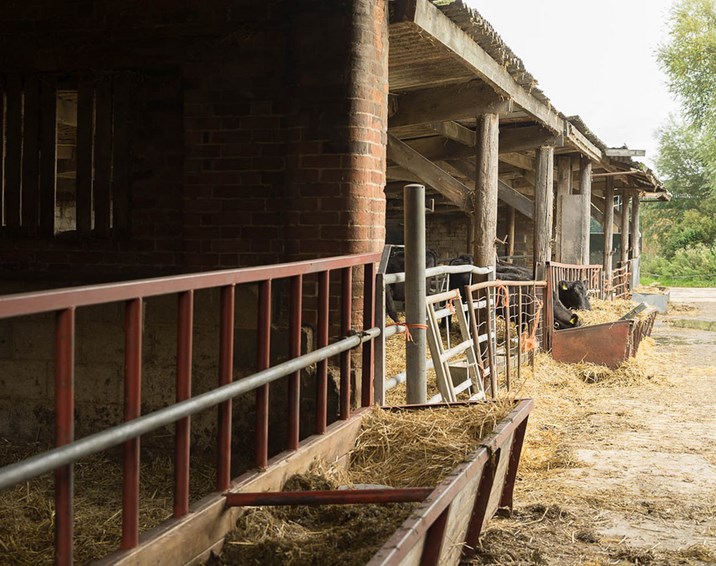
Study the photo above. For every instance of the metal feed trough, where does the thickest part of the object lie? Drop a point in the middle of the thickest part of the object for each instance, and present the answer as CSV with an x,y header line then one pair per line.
x,y
445,525
608,344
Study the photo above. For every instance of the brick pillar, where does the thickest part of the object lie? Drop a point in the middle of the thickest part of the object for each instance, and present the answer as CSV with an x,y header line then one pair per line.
x,y
337,123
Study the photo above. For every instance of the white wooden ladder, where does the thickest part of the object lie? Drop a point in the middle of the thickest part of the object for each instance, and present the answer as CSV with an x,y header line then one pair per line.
x,y
449,382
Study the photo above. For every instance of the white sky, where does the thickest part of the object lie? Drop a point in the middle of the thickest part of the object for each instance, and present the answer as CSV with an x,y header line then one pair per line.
x,y
594,58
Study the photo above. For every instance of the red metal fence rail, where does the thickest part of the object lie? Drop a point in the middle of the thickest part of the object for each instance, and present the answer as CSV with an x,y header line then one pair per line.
x,y
65,303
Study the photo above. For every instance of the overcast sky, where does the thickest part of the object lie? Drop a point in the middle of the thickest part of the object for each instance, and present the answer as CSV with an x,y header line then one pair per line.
x,y
594,58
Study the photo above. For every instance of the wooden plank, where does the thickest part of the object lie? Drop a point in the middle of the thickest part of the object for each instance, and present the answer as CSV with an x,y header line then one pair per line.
x,y
505,193
579,141
13,151
516,200
527,138
102,157
608,228
564,188
585,191
440,104
120,157
48,155
446,33
31,155
543,209
456,132
624,152
428,172
518,160
2,149
85,135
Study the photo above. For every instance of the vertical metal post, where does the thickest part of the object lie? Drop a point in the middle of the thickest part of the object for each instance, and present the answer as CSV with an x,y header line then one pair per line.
x,y
64,432
132,410
346,308
294,381
368,347
226,376
263,362
379,375
322,373
182,439
415,307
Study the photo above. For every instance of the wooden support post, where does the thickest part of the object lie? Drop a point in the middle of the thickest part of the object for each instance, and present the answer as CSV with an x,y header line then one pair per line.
x,y
511,234
625,227
608,227
543,209
635,241
585,190
486,189
564,188
635,229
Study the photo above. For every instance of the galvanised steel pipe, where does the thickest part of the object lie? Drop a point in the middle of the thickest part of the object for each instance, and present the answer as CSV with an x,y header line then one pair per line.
x,y
415,309
391,278
62,456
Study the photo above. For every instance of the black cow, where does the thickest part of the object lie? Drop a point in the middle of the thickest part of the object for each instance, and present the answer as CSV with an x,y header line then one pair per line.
x,y
573,295
563,317
396,292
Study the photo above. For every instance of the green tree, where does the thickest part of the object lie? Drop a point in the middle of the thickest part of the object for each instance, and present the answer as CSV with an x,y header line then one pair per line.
x,y
687,148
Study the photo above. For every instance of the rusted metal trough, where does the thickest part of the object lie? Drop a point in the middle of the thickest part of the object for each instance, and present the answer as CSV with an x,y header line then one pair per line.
x,y
608,344
446,524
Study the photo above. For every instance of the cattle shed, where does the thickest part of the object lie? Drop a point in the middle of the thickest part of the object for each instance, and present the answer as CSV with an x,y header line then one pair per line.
x,y
216,180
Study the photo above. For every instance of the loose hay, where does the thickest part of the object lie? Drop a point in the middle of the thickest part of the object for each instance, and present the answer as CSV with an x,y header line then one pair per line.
x,y
27,511
608,311
419,448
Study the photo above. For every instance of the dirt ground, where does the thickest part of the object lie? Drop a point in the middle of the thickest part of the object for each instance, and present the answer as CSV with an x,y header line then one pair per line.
x,y
631,478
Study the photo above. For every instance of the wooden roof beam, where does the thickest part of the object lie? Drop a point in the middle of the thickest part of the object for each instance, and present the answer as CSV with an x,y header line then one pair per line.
x,y
441,104
445,32
401,153
456,132
505,193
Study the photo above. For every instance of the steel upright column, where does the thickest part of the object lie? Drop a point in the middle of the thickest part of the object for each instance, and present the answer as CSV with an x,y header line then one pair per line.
x,y
415,307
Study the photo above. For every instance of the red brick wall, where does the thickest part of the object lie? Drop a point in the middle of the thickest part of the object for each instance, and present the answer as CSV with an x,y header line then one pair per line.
x,y
258,134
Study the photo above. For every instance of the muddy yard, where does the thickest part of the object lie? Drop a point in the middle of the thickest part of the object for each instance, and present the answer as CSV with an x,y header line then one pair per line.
x,y
622,473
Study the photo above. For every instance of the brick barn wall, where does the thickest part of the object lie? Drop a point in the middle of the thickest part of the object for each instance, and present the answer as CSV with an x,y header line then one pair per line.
x,y
258,136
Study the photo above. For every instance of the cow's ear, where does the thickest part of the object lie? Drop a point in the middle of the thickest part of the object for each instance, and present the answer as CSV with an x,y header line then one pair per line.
x,y
573,319
564,286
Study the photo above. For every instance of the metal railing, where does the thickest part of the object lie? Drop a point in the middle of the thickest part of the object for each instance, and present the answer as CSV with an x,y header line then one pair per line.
x,y
64,303
522,307
384,382
621,281
591,275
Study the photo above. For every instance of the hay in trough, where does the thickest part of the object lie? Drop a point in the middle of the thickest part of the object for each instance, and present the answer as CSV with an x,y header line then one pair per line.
x,y
604,311
418,448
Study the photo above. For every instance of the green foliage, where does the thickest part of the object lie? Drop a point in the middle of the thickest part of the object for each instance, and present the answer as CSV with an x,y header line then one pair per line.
x,y
692,266
679,235
689,60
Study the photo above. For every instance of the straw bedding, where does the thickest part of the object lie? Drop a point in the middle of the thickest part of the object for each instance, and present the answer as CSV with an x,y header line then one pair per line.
x,y
27,511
